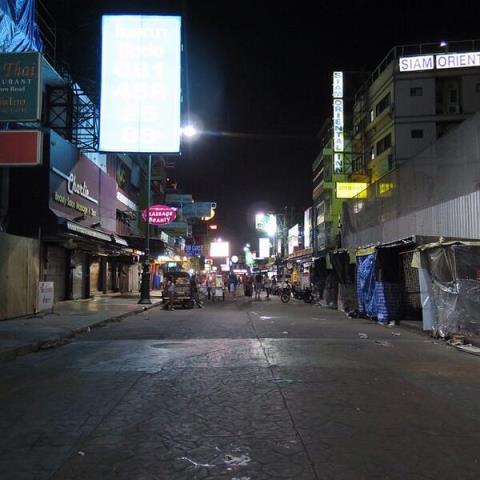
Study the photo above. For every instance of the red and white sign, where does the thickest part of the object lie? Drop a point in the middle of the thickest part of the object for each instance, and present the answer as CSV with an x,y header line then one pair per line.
x,y
160,214
20,148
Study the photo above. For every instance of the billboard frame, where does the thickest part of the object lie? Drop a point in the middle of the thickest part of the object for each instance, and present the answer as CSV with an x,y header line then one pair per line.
x,y
180,70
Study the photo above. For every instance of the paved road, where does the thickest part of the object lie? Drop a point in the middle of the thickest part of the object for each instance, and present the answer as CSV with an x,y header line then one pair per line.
x,y
242,391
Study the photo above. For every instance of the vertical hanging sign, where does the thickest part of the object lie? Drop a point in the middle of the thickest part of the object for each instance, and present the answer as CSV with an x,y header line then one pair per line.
x,y
338,122
140,88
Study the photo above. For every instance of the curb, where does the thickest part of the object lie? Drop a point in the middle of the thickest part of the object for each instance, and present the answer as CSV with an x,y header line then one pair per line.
x,y
62,339
473,340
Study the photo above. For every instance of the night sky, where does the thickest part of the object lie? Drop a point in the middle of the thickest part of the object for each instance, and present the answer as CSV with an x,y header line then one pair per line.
x,y
258,77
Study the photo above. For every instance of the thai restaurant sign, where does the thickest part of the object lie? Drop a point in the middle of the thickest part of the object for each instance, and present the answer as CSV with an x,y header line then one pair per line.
x,y
20,87
160,214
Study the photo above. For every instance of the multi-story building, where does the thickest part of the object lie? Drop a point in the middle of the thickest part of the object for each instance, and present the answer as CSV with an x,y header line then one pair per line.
x,y
413,97
326,205
69,215
333,165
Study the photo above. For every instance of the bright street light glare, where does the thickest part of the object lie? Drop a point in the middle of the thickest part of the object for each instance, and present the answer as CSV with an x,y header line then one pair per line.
x,y
189,131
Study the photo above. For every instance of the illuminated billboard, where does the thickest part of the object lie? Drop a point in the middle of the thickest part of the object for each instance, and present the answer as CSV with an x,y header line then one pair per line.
x,y
293,238
307,228
264,247
440,62
219,249
266,222
140,88
338,122
414,64
351,189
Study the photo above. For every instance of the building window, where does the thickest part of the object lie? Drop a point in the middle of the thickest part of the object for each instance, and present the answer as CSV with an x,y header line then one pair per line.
x,y
371,116
416,92
382,104
384,144
416,133
372,153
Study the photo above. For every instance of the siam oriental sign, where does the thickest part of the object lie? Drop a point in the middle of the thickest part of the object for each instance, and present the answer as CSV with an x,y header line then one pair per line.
x,y
160,214
414,64
140,87
440,62
20,87
338,122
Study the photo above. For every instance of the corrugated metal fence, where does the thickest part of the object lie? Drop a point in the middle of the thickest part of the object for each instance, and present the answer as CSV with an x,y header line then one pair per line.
x,y
436,193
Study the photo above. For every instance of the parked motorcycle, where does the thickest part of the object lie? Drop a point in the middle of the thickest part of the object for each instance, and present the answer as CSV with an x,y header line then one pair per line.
x,y
285,294
305,295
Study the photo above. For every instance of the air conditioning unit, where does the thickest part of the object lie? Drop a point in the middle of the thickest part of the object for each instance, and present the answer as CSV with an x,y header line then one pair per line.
x,y
453,109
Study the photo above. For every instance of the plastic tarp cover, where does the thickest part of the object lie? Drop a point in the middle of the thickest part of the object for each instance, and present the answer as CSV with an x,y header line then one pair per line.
x,y
388,301
366,284
455,273
341,266
18,29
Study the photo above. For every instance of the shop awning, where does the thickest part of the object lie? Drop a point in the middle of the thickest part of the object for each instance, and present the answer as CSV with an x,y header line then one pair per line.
x,y
120,241
71,226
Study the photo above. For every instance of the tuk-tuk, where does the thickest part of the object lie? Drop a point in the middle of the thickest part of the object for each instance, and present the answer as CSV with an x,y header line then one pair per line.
x,y
183,296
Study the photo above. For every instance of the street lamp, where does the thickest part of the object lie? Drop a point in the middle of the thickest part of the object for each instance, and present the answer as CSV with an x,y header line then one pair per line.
x,y
145,287
189,131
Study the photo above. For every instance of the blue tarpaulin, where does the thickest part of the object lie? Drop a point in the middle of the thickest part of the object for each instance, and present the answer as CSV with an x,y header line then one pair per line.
x,y
388,298
366,284
377,299
18,28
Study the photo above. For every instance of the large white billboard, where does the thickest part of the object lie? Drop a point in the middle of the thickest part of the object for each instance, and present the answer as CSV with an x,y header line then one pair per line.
x,y
141,79
266,222
307,228
219,249
264,247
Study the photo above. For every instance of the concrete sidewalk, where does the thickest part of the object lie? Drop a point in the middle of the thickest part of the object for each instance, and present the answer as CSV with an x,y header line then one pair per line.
x,y
23,335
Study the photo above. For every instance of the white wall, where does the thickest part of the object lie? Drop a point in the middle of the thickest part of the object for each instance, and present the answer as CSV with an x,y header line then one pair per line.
x,y
406,146
470,96
406,105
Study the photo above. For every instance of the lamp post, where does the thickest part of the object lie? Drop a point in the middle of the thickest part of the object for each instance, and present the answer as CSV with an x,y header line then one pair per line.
x,y
145,287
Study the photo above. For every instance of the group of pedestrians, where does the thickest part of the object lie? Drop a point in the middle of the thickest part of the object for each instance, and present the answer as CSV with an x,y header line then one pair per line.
x,y
252,285
259,283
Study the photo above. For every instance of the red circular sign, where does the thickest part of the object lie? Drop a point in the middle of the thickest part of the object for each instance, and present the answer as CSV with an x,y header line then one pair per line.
x,y
160,214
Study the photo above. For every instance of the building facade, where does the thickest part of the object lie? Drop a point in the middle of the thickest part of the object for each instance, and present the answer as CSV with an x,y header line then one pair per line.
x,y
412,98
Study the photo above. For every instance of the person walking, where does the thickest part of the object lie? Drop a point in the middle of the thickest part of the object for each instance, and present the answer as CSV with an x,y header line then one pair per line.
x,y
268,286
194,291
258,285
171,293
209,288
232,284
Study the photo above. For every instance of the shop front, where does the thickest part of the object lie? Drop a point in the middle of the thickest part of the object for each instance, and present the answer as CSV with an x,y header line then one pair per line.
x,y
70,206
